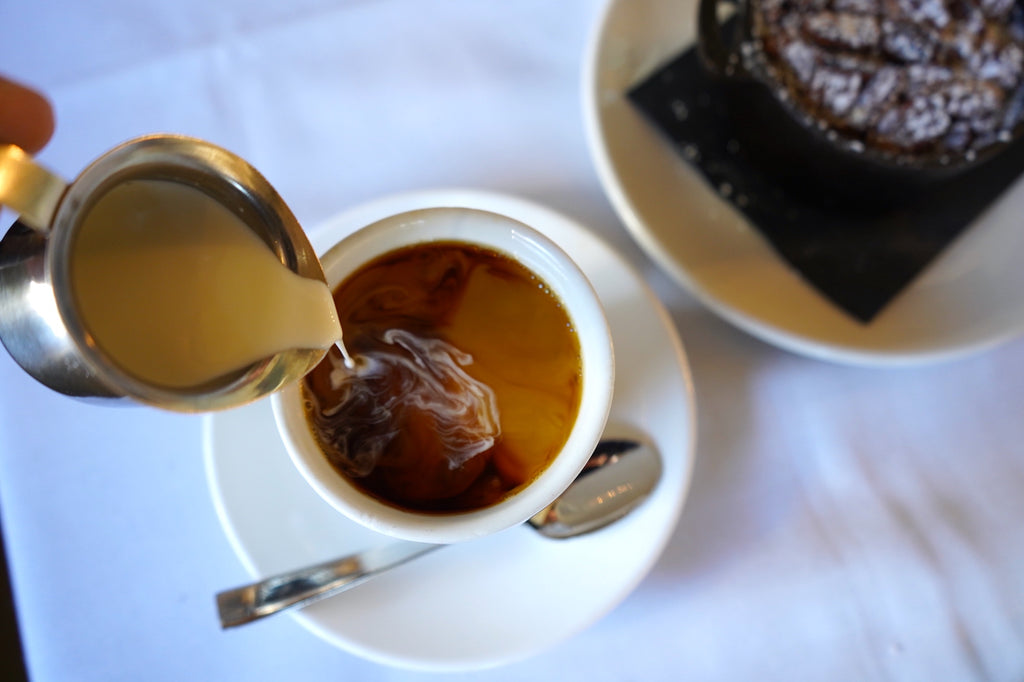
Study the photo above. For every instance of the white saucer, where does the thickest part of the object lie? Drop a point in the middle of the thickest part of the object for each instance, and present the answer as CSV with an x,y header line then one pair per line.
x,y
967,300
496,600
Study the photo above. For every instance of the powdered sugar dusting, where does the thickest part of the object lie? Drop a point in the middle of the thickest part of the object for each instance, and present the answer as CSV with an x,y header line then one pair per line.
x,y
918,76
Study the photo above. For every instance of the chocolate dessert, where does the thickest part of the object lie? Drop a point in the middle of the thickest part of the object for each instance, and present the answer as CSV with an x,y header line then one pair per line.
x,y
906,77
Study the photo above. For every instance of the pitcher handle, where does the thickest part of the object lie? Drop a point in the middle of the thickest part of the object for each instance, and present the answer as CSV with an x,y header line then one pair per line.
x,y
27,188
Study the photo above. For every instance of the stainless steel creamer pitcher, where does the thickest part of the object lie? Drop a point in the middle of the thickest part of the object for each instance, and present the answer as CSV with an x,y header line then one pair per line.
x,y
39,323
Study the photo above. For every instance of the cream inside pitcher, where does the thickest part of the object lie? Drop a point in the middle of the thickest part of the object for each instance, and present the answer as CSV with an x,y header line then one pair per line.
x,y
95,274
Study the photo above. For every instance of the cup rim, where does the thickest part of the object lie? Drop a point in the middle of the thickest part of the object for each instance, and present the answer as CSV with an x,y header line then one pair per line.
x,y
542,256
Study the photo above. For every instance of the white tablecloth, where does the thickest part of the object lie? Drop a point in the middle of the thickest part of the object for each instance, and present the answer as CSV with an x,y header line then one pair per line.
x,y
843,523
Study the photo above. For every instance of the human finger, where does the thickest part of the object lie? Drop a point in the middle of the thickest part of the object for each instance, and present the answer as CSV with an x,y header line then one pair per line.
x,y
26,117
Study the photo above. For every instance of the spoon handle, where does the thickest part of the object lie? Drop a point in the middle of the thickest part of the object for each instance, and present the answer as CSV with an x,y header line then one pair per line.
x,y
245,604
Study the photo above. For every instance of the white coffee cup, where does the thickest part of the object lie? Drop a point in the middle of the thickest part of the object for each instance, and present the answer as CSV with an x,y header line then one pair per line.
x,y
546,260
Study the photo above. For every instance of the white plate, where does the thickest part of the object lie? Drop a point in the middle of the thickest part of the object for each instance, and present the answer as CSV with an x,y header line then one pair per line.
x,y
505,597
967,300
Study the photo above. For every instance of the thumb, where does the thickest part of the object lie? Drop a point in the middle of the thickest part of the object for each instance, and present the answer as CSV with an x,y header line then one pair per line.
x,y
26,117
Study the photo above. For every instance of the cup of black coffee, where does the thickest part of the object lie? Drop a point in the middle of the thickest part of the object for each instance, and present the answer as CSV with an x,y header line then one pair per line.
x,y
480,380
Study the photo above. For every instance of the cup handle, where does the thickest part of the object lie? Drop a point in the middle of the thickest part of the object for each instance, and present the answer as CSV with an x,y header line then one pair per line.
x,y
29,189
711,46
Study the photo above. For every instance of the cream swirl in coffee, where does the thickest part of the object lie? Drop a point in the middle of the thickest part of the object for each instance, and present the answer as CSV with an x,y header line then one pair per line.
x,y
385,387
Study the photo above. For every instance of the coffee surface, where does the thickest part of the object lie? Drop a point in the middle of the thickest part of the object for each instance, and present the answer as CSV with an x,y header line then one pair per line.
x,y
900,76
467,378
178,291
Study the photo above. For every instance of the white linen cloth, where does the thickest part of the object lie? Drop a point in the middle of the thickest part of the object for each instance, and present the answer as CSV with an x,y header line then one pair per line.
x,y
843,523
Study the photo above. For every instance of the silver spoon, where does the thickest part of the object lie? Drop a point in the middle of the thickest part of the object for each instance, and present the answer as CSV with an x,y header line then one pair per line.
x,y
619,475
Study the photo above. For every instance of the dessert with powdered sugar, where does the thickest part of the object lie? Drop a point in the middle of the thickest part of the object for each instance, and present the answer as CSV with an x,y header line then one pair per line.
x,y
917,77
